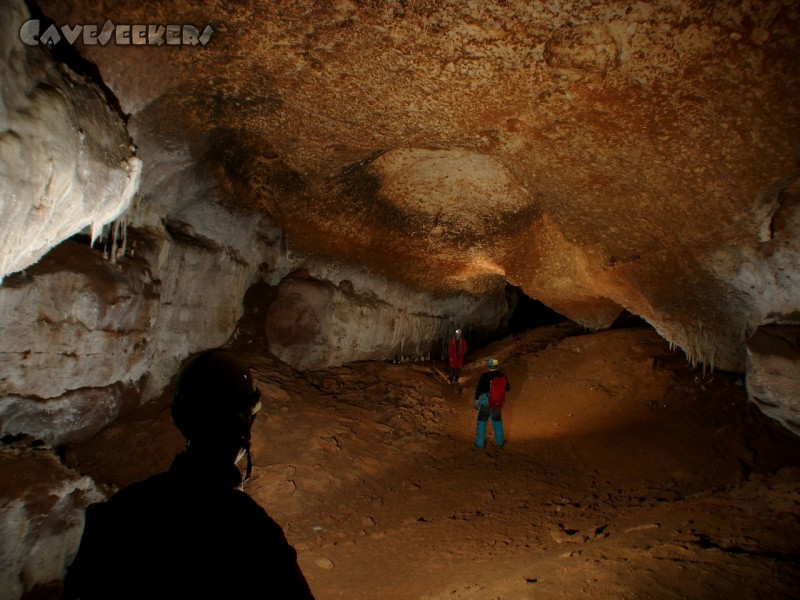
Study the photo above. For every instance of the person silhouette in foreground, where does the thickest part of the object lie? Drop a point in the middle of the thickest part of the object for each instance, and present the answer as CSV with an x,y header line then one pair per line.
x,y
490,397
191,532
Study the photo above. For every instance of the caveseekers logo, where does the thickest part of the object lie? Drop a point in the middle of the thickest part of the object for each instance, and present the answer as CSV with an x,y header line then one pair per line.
x,y
31,34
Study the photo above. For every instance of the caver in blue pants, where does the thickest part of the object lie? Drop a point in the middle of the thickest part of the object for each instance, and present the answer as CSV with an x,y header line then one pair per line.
x,y
484,412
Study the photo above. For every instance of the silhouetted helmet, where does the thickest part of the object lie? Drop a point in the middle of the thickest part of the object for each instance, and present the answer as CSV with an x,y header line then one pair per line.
x,y
215,399
492,363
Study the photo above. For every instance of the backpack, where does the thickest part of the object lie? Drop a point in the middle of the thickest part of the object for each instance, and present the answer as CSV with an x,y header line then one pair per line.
x,y
497,391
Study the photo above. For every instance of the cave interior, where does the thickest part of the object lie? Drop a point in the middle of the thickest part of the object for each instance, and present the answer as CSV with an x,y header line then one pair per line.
x,y
604,196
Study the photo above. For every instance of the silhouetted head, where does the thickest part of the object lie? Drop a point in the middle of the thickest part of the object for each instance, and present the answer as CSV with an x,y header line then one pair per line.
x,y
458,334
493,364
214,404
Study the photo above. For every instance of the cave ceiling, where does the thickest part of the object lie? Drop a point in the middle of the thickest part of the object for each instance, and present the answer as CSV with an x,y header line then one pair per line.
x,y
601,156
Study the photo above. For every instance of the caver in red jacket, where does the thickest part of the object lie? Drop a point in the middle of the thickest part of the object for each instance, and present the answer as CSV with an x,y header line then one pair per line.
x,y
456,351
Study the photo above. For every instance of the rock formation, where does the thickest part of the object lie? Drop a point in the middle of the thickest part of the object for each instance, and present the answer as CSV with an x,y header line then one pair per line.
x,y
67,158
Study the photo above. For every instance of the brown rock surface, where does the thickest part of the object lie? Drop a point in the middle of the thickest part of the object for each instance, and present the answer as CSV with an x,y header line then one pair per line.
x,y
599,156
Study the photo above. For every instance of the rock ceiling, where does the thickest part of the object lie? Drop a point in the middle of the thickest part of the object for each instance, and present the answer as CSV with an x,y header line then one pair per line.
x,y
632,155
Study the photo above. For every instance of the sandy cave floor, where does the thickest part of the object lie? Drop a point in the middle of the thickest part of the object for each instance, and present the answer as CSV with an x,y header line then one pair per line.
x,y
627,474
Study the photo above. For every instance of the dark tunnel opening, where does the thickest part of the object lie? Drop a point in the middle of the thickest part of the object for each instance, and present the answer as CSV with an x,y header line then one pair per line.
x,y
528,313
628,320
524,313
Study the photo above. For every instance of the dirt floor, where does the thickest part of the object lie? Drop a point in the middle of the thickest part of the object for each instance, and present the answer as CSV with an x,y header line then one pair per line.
x,y
627,473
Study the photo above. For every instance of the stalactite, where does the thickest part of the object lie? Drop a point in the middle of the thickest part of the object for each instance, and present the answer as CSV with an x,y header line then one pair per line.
x,y
118,244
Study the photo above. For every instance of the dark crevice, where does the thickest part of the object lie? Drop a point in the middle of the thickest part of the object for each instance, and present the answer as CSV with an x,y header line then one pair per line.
x,y
705,542
65,53
778,191
523,313
22,440
527,313
627,320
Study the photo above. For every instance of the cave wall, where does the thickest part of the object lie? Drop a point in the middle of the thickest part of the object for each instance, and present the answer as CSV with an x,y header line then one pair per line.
x,y
41,521
68,161
773,373
313,323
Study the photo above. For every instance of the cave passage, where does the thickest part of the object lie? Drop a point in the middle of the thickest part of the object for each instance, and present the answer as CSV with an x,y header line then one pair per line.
x,y
524,313
624,474
527,312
